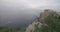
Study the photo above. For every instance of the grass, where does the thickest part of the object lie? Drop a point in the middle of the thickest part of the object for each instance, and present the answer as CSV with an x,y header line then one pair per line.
x,y
10,29
53,23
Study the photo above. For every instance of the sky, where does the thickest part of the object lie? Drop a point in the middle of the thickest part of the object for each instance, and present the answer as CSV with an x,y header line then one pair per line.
x,y
15,11
24,4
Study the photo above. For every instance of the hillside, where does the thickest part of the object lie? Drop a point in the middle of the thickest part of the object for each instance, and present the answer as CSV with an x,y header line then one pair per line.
x,y
49,21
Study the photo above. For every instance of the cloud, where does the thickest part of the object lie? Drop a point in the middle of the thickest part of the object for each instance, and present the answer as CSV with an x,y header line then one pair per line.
x,y
27,3
14,10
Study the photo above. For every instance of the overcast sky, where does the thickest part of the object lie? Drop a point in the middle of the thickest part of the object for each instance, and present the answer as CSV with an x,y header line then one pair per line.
x,y
12,10
24,4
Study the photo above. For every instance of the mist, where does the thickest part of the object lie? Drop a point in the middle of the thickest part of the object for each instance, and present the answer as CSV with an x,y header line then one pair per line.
x,y
22,12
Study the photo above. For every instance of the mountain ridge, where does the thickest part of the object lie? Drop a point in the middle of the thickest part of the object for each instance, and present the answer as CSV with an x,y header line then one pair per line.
x,y
41,20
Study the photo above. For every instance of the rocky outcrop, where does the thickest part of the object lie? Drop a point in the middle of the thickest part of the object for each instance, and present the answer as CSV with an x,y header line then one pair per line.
x,y
32,26
40,21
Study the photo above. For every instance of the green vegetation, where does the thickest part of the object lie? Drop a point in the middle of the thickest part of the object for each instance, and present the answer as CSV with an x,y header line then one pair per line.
x,y
53,23
9,29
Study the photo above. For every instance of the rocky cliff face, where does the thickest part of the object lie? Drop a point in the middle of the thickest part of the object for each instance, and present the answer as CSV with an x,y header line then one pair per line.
x,y
40,21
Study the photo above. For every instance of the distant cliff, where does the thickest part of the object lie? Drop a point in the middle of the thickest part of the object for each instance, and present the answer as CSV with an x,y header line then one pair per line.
x,y
48,21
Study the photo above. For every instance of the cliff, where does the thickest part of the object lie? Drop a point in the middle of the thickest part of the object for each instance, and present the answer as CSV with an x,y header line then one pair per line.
x,y
48,21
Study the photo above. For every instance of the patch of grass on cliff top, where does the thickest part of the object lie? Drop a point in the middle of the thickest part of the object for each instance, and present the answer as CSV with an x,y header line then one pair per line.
x,y
53,23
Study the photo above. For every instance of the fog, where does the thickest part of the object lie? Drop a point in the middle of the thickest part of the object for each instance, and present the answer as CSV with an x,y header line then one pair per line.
x,y
22,12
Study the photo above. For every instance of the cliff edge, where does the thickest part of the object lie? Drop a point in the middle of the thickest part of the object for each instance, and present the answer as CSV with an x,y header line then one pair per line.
x,y
48,21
